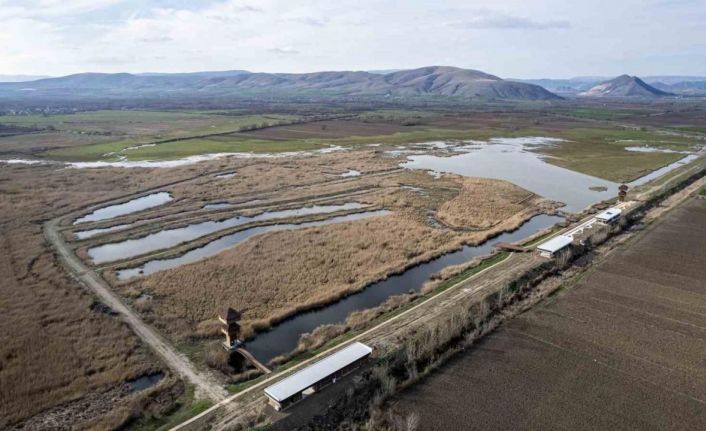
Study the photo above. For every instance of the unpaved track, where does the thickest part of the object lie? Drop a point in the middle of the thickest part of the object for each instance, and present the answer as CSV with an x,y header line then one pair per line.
x,y
204,385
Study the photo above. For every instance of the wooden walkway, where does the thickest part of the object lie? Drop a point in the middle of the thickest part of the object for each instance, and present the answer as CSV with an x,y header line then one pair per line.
x,y
506,246
253,360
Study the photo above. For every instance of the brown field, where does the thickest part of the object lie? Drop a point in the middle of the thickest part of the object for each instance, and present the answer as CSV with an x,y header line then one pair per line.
x,y
622,349
60,349
33,143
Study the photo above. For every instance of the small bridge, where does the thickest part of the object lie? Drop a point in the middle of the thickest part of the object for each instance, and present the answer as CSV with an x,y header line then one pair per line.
x,y
253,360
506,246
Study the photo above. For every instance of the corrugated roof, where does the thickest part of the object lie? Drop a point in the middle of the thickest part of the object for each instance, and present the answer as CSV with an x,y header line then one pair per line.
x,y
317,371
609,214
555,244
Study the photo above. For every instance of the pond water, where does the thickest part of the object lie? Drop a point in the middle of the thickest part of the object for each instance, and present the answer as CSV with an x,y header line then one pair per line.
x,y
217,205
144,382
226,175
510,159
172,237
284,337
350,173
218,245
134,205
83,234
648,149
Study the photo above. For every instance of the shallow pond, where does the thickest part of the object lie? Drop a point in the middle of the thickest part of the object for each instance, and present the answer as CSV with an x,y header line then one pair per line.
x,y
83,234
172,237
510,159
134,205
218,245
350,173
217,206
144,382
226,175
284,337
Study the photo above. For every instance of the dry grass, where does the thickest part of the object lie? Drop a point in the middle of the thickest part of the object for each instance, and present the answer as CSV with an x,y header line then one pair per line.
x,y
261,176
58,345
483,203
275,275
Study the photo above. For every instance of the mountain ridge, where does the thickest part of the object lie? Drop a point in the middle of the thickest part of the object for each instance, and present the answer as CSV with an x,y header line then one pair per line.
x,y
443,81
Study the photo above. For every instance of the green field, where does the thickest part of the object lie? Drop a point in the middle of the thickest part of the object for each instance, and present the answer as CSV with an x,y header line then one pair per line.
x,y
601,152
595,144
601,113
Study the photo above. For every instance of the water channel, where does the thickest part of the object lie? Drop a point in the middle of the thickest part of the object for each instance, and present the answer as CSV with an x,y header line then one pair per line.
x,y
218,245
284,337
171,237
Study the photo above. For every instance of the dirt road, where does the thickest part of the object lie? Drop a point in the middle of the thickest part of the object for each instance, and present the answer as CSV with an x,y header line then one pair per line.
x,y
205,386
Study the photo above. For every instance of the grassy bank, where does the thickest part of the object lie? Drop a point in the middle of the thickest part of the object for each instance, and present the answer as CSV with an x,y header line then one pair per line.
x,y
186,407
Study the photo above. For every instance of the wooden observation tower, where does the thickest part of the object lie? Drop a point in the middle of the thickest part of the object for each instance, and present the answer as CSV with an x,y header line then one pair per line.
x,y
623,192
230,328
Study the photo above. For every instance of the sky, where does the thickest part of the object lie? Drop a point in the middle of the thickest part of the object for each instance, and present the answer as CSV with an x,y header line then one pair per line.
x,y
508,38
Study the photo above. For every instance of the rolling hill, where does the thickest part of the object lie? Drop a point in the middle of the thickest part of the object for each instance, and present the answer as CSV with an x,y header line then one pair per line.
x,y
624,86
433,81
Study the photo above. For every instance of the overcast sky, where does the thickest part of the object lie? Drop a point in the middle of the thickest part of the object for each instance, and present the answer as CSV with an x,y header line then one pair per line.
x,y
509,38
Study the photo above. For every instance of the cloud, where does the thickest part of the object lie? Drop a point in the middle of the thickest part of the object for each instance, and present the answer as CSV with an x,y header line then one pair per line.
x,y
54,37
156,39
314,22
53,8
487,19
284,51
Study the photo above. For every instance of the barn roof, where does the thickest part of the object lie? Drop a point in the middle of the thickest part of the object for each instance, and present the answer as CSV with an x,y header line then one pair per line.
x,y
317,371
555,244
609,214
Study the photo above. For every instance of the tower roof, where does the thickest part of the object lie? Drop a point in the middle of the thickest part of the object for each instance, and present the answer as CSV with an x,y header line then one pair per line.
x,y
230,315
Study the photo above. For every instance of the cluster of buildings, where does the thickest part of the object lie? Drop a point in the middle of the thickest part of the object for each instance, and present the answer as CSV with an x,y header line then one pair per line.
x,y
555,245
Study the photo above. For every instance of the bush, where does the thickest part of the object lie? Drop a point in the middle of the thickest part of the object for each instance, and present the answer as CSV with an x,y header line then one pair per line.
x,y
217,358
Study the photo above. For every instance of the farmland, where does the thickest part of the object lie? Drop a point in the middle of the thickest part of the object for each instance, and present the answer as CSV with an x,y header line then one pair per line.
x,y
622,348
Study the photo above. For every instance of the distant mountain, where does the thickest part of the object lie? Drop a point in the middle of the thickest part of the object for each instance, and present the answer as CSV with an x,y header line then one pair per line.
x,y
213,74
682,87
441,81
672,79
383,71
467,83
624,86
568,86
20,78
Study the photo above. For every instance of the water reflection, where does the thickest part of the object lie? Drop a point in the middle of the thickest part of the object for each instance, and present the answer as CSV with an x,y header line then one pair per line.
x,y
139,204
172,237
216,246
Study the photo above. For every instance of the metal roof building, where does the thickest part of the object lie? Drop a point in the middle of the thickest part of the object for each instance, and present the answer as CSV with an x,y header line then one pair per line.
x,y
549,248
609,215
317,375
